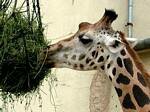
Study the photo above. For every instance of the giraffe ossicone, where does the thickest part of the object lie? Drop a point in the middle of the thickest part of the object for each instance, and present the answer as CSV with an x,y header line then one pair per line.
x,y
98,47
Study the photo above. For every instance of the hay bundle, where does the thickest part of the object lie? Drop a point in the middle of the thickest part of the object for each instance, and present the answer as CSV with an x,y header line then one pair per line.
x,y
21,41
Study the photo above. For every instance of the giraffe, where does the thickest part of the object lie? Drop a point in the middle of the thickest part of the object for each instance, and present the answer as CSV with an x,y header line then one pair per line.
x,y
98,47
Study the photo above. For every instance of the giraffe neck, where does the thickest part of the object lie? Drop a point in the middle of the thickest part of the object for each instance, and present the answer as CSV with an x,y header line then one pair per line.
x,y
129,83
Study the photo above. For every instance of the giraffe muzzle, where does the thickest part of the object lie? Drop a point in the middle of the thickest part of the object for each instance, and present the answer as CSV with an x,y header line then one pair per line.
x,y
50,54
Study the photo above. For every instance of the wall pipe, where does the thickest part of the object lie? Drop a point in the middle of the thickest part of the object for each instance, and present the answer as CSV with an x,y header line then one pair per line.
x,y
141,44
130,18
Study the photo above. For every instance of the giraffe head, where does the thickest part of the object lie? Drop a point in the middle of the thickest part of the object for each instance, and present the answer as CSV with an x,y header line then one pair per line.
x,y
88,49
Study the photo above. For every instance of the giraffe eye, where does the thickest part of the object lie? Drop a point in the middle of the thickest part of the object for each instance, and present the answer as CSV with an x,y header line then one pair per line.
x,y
85,39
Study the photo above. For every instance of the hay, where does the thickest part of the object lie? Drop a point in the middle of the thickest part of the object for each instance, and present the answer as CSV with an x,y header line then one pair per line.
x,y
22,66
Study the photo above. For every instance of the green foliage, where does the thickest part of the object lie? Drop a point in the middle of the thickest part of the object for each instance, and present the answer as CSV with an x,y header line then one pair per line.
x,y
21,62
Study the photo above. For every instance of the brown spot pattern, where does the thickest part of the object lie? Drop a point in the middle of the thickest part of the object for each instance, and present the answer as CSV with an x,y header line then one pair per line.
x,y
65,56
73,57
140,97
127,102
88,60
128,65
81,57
141,79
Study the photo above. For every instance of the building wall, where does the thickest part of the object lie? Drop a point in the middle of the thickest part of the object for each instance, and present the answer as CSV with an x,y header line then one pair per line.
x,y
141,22
141,19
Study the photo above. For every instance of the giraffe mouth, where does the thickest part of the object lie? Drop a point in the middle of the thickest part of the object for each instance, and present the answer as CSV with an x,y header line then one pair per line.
x,y
50,65
49,62
48,58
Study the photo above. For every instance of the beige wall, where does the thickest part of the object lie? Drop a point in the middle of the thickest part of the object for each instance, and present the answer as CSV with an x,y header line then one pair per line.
x,y
61,17
141,29
141,18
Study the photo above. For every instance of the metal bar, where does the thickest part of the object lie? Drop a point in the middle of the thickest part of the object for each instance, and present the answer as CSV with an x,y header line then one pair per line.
x,y
130,18
142,44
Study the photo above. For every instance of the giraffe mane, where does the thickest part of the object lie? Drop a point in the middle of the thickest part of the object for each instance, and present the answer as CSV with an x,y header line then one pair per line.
x,y
136,59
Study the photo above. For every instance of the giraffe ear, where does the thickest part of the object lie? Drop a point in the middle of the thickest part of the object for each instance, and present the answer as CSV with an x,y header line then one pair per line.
x,y
132,41
114,45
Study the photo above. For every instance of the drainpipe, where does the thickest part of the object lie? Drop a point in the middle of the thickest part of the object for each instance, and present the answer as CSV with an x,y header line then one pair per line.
x,y
141,44
130,18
